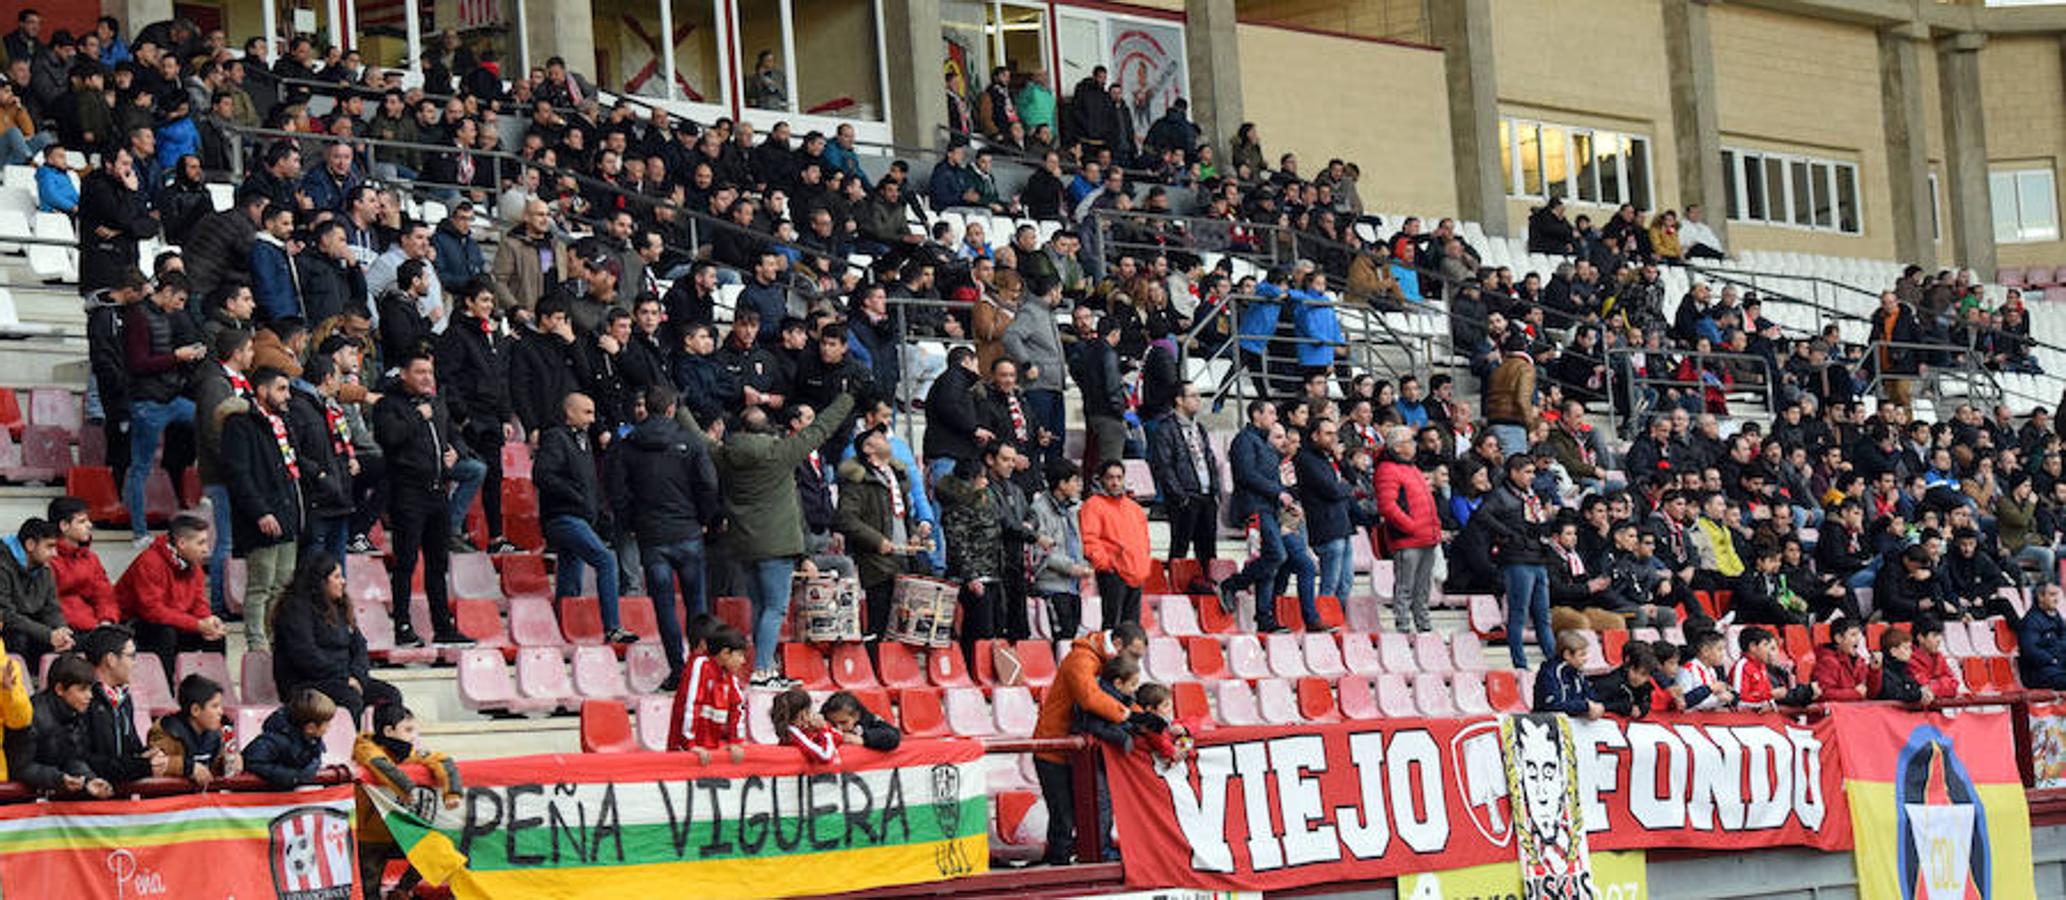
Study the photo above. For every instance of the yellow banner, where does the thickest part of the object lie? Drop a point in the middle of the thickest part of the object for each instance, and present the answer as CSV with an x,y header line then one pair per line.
x,y
1617,875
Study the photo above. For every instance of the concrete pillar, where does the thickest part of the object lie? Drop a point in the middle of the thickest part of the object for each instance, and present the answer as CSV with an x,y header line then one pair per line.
x,y
1965,152
915,46
1696,130
1211,47
562,28
1463,29
1908,149
135,14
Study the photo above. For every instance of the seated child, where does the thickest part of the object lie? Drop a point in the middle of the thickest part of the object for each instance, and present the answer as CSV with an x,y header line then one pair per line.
x,y
289,748
1843,673
1761,683
797,726
192,739
1928,664
1626,691
859,725
1166,739
50,756
1896,678
1700,683
710,705
1665,693
1561,687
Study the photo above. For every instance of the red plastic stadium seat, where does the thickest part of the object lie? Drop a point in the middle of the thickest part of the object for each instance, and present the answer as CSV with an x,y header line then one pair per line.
x,y
899,666
1211,619
2002,671
945,668
1316,700
920,711
1799,640
516,460
1206,659
1290,615
2004,635
1190,700
480,620
1976,676
806,663
523,575
1503,688
606,727
96,486
581,620
1037,663
1330,610
1182,572
635,614
46,454
850,668
736,612
11,413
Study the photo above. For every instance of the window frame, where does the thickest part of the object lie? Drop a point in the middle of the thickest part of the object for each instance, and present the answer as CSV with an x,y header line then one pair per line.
x,y
1787,186
1619,169
2025,233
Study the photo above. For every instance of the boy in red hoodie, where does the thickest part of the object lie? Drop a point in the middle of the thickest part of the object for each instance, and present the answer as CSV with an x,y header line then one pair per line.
x,y
1931,669
710,706
1760,683
1841,671
83,588
165,593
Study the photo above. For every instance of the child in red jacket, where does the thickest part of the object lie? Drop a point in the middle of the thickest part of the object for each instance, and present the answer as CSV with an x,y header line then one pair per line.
x,y
797,726
710,704
1841,670
165,593
83,588
1760,683
1164,737
1931,669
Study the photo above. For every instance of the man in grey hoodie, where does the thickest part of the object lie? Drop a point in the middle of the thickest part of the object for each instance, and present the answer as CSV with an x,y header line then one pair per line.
x,y
1035,341
1060,569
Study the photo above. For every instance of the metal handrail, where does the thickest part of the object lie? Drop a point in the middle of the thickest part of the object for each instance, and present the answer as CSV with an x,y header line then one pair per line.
x,y
1638,405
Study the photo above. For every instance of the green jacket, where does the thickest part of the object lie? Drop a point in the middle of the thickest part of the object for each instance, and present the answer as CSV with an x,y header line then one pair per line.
x,y
975,542
758,472
865,514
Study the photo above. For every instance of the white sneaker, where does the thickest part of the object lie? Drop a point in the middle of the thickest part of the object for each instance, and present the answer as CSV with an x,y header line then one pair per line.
x,y
141,541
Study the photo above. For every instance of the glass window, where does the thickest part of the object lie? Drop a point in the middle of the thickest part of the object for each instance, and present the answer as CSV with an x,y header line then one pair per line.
x,y
964,24
1506,154
839,66
1607,156
1556,162
1819,178
1530,150
1754,188
1802,197
763,52
1588,167
1775,189
1639,172
2035,210
1847,199
1023,32
1936,227
1731,208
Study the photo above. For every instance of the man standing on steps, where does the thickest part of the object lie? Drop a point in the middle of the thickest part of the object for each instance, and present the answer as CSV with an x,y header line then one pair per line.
x,y
414,429
569,509
219,381
1407,508
1076,692
1188,477
1034,340
1259,495
160,345
262,478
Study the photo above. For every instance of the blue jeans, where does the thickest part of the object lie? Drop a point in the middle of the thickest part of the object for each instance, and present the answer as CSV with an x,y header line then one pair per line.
x,y
466,478
768,587
1298,562
1527,599
576,543
934,469
219,503
147,423
1337,568
1512,438
1046,410
1260,576
664,563
1863,578
16,150
327,534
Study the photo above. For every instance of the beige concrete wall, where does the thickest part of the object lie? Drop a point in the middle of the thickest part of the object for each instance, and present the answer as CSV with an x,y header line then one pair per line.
x,y
1618,81
2026,122
1380,105
1763,62
1399,20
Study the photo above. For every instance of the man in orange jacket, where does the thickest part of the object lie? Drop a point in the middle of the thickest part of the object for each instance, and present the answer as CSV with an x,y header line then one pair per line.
x,y
1076,686
1115,541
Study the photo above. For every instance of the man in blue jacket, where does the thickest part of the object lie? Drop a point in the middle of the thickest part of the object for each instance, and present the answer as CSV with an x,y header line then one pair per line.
x,y
458,258
2041,642
273,280
1259,493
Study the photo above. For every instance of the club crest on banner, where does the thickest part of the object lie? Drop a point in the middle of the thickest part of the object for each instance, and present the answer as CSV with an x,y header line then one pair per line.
x,y
313,854
1940,822
1481,779
1549,825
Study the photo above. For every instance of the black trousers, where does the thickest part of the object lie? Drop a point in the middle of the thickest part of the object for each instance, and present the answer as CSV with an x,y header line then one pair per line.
x,y
369,492
169,642
1194,530
419,524
1119,601
371,692
1064,615
115,431
978,619
487,447
877,597
1057,787
1011,596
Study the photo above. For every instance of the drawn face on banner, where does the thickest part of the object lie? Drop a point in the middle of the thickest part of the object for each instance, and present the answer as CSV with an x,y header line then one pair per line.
x,y
1542,779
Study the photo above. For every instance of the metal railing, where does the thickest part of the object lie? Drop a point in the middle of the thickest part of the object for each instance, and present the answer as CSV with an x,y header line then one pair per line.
x,y
1646,392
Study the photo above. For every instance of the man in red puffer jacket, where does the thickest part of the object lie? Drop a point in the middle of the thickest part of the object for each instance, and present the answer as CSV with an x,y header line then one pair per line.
x,y
83,589
165,593
1412,524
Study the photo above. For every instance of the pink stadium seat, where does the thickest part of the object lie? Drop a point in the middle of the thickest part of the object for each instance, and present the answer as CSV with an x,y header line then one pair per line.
x,y
759,728
46,454
983,665
1037,662
1278,700
1165,660
920,712
376,624
635,614
473,577
251,721
93,448
1359,655
606,727
1365,613
233,582
366,579
1207,660
58,408
1383,577
581,620
645,667
900,666
945,668
1015,710
1323,656
1504,688
256,688
736,612
516,459
1179,617
2038,276
1596,656
1958,642
598,675
1431,652
1470,693
655,715
1487,618
542,676
1285,657
1394,697
1980,634
968,715
1397,652
1358,703
1139,479
532,624
1316,701
806,664
2010,276
1237,704
338,740
148,688
1466,652
850,667
212,666
1431,695
1245,657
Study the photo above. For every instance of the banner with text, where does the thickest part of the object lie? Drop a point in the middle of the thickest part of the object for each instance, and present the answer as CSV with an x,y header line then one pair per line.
x,y
642,824
290,845
1938,804
1268,809
1617,875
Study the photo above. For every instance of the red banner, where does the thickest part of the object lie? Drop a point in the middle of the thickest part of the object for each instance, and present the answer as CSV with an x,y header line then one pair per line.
x,y
1277,808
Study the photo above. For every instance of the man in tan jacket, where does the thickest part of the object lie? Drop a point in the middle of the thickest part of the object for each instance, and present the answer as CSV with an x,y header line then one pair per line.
x,y
1510,399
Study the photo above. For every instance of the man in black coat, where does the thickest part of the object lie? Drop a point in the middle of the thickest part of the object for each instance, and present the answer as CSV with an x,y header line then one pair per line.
x,y
546,366
218,252
953,432
114,749
113,216
473,364
414,429
665,484
262,473
1001,408
828,373
1187,476
569,509
1096,370
325,456
752,372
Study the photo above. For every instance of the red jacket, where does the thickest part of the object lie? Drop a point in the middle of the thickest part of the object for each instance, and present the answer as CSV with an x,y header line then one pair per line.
x,y
819,745
1752,681
83,588
1415,523
1933,672
162,588
709,708
1843,676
